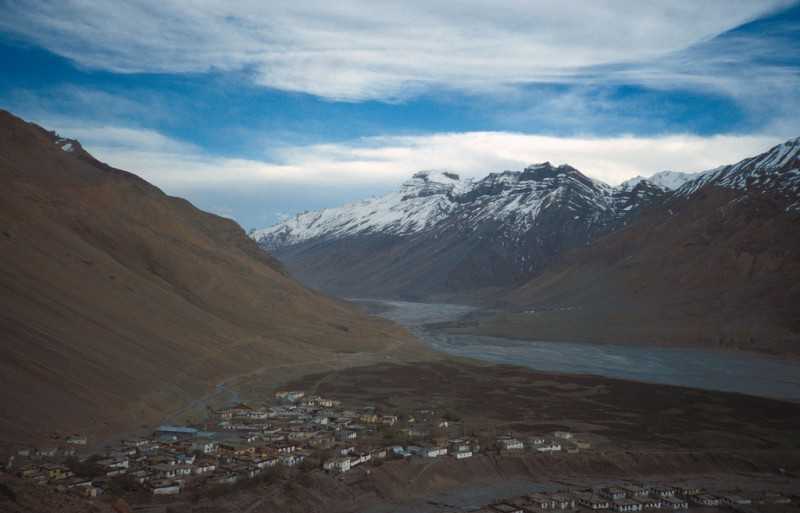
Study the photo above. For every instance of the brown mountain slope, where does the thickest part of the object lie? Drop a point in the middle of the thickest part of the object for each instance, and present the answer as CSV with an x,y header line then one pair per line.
x,y
720,269
120,302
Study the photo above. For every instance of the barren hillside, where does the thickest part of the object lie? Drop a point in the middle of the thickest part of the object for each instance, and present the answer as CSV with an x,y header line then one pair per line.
x,y
121,303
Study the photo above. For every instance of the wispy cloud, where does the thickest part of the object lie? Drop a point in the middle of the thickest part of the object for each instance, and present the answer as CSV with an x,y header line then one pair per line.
x,y
387,160
355,50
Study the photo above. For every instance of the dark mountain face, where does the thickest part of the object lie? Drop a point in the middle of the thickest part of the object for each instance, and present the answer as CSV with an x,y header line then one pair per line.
x,y
121,303
439,235
718,264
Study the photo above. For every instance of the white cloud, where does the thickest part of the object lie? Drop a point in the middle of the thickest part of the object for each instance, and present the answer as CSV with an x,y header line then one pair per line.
x,y
357,50
388,160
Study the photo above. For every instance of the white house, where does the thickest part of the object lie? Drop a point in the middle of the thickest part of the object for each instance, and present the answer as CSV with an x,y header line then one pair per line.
x,y
460,455
674,503
510,444
203,468
626,506
337,465
549,447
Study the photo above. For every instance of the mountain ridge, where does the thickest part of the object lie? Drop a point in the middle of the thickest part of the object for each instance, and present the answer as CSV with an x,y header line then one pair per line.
x,y
497,231
485,233
122,303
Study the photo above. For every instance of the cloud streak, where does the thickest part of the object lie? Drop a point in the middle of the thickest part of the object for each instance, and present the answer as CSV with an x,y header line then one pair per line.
x,y
351,50
388,160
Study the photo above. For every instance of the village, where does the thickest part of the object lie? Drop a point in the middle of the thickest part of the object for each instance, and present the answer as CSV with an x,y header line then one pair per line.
x,y
294,431
241,442
633,497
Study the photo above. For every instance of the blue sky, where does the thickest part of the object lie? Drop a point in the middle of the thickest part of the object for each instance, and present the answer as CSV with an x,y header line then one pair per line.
x,y
256,111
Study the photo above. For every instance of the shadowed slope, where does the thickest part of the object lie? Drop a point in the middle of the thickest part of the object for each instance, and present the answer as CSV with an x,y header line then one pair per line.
x,y
120,302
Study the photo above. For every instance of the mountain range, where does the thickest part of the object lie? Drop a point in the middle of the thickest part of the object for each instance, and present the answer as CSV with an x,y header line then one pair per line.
x,y
439,235
709,258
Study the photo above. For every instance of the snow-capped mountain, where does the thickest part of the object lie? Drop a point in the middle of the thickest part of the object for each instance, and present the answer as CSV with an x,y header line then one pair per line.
x,y
438,233
717,264
428,199
421,202
667,180
463,233
776,171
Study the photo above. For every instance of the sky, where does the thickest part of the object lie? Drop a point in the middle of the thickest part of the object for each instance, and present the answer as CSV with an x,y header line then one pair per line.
x,y
258,110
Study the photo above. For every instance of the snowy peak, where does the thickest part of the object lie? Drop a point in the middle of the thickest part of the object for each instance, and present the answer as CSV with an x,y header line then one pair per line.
x,y
776,171
421,202
666,180
431,183
431,199
514,203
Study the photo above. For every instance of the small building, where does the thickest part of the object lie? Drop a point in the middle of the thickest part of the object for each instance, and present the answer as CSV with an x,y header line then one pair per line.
x,y
290,396
591,501
663,491
626,506
674,503
205,446
552,446
380,454
563,501
76,440
541,501
340,465
427,452
369,418
614,493
650,502
688,490
564,435
510,444
534,442
389,420
56,472
460,455
634,491
705,499
90,491
346,434
165,487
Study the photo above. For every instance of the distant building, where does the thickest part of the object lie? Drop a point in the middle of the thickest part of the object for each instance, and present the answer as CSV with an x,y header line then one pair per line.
x,y
510,444
675,503
626,506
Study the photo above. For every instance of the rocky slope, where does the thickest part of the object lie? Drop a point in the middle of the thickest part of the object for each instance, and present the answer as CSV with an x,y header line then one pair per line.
x,y
440,235
121,303
717,264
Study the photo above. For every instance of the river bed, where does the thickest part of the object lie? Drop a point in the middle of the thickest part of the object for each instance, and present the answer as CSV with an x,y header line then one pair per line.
x,y
728,371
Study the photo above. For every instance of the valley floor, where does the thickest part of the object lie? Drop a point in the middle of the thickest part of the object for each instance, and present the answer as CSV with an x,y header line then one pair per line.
x,y
636,431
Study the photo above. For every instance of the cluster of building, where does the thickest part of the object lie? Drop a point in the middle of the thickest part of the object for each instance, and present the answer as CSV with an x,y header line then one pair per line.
x,y
243,441
630,498
559,441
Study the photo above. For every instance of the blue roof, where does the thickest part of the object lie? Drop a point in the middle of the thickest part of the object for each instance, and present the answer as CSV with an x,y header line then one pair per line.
x,y
176,429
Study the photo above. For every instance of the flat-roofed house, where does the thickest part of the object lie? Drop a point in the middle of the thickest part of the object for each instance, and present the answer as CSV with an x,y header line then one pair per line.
x,y
650,502
674,503
705,499
626,506
614,493
563,501
591,501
